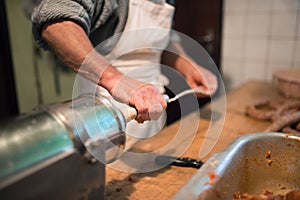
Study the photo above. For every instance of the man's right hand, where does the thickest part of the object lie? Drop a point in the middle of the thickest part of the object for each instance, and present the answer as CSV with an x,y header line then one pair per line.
x,y
78,53
144,97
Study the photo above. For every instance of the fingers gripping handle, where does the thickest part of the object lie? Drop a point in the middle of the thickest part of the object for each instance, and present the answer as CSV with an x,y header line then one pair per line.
x,y
131,113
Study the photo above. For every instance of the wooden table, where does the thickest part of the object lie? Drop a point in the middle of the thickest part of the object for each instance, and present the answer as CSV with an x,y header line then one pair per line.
x,y
165,183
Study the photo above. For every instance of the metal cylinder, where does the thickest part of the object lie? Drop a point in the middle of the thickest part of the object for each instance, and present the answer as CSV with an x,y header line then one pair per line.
x,y
29,139
89,124
94,124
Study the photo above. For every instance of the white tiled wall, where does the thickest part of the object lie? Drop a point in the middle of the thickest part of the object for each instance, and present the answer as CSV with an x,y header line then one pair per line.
x,y
259,37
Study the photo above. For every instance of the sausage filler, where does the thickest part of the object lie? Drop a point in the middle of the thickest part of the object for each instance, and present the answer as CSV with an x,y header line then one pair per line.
x,y
50,152
59,151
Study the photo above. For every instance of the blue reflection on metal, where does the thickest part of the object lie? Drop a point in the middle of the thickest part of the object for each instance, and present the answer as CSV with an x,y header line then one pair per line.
x,y
100,123
28,143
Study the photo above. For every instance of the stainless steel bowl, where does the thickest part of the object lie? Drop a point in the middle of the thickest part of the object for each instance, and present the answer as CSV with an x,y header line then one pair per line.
x,y
251,164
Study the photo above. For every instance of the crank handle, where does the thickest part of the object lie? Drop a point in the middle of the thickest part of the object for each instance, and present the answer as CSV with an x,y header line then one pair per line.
x,y
131,113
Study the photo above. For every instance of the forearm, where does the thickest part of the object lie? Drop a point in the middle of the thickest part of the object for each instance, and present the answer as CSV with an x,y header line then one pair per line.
x,y
195,75
176,58
71,44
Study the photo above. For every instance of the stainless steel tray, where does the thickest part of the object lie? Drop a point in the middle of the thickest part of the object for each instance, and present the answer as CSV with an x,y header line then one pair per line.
x,y
244,166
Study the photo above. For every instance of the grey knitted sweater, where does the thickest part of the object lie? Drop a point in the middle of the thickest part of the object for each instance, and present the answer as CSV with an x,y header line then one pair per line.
x,y
99,18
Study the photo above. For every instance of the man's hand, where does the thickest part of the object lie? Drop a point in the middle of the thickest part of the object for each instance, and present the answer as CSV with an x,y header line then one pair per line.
x,y
196,75
78,53
146,98
199,77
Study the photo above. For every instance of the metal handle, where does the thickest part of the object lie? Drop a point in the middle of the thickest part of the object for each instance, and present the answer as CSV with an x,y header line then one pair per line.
x,y
131,113
181,161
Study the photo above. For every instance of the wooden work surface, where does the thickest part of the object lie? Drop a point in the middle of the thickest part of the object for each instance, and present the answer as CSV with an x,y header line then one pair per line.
x,y
165,183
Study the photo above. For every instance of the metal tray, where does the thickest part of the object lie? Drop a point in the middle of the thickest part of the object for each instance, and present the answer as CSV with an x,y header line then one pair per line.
x,y
244,167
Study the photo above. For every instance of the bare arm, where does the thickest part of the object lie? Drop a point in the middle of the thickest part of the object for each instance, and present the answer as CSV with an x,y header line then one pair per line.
x,y
73,47
196,76
71,44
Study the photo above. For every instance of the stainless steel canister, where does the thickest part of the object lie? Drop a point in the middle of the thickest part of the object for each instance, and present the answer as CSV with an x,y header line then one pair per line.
x,y
88,124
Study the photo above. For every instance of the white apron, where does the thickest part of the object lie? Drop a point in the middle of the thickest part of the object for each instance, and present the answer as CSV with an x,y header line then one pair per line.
x,y
138,54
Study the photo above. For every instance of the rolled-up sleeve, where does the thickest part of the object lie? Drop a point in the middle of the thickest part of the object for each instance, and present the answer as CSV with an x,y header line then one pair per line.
x,y
79,11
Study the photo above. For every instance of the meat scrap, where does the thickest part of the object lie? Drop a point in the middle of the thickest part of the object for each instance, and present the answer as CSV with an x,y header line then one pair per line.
x,y
212,177
293,195
268,157
270,161
268,195
268,154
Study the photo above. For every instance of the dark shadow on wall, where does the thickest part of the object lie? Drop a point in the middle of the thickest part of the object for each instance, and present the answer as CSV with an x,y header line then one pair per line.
x,y
8,100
